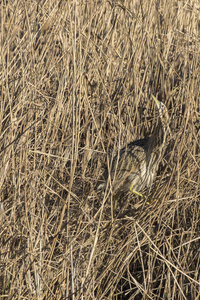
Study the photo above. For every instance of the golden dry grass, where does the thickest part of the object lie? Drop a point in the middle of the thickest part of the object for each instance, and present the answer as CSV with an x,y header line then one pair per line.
x,y
75,83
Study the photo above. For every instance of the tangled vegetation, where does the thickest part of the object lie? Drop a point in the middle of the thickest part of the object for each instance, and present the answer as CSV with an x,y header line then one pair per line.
x,y
76,79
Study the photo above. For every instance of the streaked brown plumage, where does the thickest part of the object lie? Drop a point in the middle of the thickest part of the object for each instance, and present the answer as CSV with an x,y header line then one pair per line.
x,y
135,165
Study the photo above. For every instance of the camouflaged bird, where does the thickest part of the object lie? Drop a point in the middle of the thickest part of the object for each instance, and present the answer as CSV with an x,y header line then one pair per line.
x,y
135,165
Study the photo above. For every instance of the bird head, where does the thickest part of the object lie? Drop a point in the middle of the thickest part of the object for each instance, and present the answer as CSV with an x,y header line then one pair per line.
x,y
163,113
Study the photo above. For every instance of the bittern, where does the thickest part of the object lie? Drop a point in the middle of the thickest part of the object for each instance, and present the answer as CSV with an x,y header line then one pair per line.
x,y
135,165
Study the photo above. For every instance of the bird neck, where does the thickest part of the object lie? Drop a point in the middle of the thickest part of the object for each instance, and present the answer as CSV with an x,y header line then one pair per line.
x,y
158,138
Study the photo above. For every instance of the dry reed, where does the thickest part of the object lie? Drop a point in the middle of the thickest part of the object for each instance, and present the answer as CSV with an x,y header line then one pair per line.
x,y
75,83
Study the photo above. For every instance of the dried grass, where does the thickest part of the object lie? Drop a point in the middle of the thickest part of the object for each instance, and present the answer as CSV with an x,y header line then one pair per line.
x,y
75,84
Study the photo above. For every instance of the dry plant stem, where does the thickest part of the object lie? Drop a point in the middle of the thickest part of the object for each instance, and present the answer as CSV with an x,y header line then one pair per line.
x,y
76,80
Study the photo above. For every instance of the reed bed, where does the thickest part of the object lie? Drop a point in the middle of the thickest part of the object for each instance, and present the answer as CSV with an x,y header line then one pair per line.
x,y
76,79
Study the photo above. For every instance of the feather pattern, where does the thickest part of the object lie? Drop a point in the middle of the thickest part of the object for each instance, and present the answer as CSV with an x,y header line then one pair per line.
x,y
135,165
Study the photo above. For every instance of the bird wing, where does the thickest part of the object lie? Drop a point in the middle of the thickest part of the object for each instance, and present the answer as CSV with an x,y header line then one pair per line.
x,y
129,165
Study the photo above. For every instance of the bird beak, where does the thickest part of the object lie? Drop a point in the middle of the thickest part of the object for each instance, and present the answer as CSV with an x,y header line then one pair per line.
x,y
157,102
